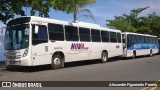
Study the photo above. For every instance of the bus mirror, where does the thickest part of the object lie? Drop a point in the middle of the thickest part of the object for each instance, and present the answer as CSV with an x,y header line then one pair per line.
x,y
36,29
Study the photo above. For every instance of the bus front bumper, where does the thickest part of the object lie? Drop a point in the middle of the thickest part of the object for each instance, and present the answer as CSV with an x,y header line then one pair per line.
x,y
17,62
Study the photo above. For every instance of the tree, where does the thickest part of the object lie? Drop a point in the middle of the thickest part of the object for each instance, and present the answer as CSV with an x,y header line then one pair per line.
x,y
149,24
10,8
132,19
155,27
75,7
79,8
121,24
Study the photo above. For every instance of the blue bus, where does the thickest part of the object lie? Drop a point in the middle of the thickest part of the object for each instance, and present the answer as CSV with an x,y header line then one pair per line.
x,y
135,44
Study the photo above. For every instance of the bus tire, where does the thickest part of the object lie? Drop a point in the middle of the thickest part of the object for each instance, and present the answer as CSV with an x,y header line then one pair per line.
x,y
104,57
57,62
151,53
9,68
134,55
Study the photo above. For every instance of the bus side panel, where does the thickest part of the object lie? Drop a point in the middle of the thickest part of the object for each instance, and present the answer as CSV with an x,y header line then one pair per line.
x,y
115,49
76,51
129,53
119,49
95,50
142,49
41,54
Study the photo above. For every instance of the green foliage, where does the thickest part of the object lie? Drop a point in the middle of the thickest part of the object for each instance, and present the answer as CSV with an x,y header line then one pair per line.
x,y
70,6
149,24
40,6
121,24
73,6
10,8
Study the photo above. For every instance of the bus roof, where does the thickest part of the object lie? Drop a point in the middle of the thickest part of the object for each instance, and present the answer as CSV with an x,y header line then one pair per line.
x,y
78,24
46,20
108,29
138,34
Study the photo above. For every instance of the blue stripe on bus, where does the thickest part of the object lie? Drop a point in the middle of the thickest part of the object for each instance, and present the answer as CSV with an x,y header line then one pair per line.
x,y
143,46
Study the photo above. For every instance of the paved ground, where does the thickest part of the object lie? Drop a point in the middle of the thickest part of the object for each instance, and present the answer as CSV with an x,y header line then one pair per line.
x,y
140,69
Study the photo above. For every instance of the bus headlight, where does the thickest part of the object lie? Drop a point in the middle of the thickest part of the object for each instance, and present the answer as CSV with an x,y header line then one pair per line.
x,y
25,53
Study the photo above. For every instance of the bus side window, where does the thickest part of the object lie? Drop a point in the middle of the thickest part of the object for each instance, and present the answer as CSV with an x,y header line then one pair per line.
x,y
105,36
138,39
71,33
113,37
133,39
157,41
95,34
142,39
146,39
119,37
154,40
39,36
84,34
150,40
56,32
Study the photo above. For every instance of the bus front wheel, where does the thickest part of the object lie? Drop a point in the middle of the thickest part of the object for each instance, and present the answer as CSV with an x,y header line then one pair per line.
x,y
104,57
151,54
134,55
57,62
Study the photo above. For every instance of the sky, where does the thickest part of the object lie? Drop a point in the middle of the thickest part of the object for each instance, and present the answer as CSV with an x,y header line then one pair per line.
x,y
106,9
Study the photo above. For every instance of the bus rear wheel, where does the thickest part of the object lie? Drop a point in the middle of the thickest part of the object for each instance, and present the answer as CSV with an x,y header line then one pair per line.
x,y
57,62
104,57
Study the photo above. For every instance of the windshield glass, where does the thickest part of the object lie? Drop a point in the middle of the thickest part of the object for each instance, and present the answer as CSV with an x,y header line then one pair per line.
x,y
16,37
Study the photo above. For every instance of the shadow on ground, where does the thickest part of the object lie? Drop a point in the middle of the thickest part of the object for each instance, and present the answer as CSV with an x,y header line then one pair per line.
x,y
48,67
67,65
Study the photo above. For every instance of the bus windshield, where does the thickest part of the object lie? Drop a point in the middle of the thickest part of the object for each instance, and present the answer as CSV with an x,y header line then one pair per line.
x,y
16,37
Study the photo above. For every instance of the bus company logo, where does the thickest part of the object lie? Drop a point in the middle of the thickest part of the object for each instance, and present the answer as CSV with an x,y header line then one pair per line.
x,y
78,46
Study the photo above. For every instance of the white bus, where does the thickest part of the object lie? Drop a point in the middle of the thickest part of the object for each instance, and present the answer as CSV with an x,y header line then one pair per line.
x,y
135,44
32,41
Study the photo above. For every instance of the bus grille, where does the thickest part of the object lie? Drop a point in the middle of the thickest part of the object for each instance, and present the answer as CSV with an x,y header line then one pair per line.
x,y
12,56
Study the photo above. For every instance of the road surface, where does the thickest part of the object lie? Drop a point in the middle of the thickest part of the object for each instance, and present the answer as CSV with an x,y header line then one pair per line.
x,y
140,69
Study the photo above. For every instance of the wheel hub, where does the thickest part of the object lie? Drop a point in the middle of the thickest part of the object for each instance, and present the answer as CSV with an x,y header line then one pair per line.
x,y
57,61
104,57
